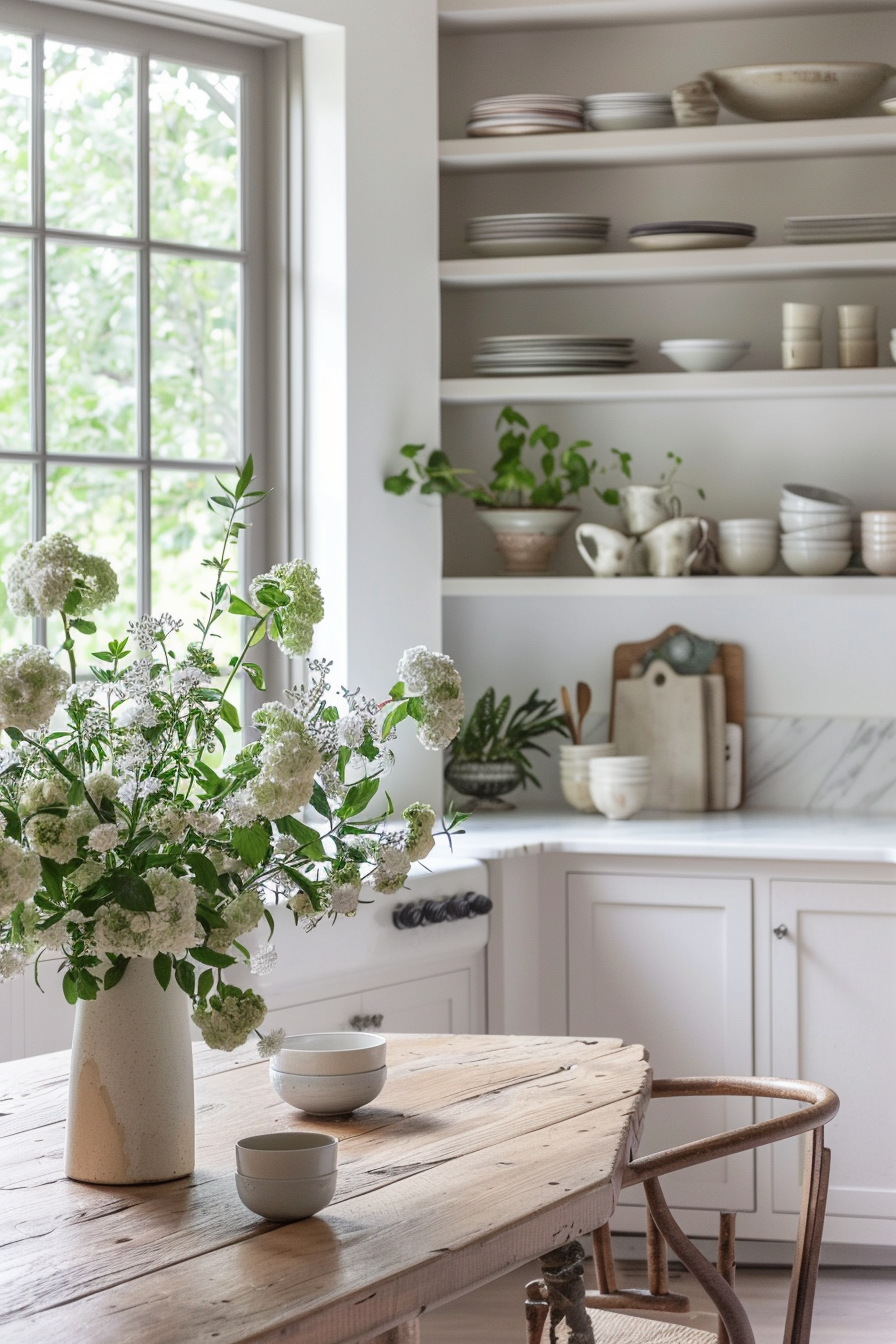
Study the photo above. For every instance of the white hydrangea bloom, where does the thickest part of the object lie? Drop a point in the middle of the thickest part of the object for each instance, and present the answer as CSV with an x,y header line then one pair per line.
x,y
171,927
85,876
421,819
344,898
241,808
170,822
206,823
100,784
31,686
138,715
52,837
434,678
103,837
12,961
44,572
298,579
393,865
272,1043
300,903
51,791
19,875
241,914
284,846
289,761
227,1021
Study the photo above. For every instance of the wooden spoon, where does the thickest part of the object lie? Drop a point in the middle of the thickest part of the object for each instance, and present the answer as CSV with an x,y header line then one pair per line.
x,y
583,704
568,715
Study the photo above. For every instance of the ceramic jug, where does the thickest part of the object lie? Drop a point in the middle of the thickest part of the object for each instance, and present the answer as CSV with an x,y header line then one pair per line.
x,y
612,550
644,507
674,545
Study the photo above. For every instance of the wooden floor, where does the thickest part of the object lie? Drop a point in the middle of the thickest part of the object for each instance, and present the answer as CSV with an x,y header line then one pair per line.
x,y
852,1306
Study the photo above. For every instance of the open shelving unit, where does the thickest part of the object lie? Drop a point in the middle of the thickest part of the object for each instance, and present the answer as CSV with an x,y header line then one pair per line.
x,y
750,384
472,16
723,585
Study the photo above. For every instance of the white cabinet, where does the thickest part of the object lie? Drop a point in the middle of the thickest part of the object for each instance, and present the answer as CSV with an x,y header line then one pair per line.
x,y
450,1001
834,1020
668,961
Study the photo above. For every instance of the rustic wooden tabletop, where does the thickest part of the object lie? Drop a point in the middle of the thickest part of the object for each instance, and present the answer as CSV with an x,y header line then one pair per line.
x,y
481,1153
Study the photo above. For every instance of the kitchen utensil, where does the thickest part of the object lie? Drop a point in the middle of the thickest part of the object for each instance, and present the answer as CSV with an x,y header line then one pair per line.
x,y
628,111
834,531
526,114
840,228
662,715
583,702
550,354
673,546
797,91
730,663
714,693
575,723
612,549
536,234
704,356
619,799
574,775
857,354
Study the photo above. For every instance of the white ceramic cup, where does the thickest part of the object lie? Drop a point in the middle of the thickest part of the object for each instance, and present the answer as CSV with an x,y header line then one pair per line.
x,y
673,546
801,354
857,315
857,354
801,315
612,549
646,506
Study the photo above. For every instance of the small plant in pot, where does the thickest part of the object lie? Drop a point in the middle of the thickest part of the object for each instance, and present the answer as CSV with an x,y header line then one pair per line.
x,y
523,504
490,756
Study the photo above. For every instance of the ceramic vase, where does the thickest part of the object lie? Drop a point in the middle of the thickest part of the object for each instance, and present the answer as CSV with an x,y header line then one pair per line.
x,y
527,537
130,1106
485,782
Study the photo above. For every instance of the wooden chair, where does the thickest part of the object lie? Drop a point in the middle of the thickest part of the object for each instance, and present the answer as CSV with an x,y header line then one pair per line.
x,y
583,1317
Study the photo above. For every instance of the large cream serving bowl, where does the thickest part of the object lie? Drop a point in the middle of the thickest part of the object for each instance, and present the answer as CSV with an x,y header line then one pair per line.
x,y
798,91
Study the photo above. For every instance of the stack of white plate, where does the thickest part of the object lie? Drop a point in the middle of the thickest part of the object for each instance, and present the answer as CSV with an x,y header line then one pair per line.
x,y
501,355
628,111
690,233
526,114
817,529
536,235
840,229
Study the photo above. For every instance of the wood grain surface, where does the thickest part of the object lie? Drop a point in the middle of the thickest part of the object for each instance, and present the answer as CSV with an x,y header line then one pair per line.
x,y
481,1152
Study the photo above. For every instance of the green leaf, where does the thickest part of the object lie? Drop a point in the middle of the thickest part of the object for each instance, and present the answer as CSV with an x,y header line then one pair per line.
x,y
320,802
358,796
206,981
245,479
229,715
255,675
162,967
307,836
203,870
85,627
251,843
72,602
399,485
394,717
209,918
115,972
258,633
240,608
76,793
130,891
70,987
330,714
416,708
269,595
209,957
51,873
397,691
412,449
185,976
87,984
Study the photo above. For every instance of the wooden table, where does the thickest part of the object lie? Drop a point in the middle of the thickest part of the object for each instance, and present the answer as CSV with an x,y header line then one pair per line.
x,y
481,1153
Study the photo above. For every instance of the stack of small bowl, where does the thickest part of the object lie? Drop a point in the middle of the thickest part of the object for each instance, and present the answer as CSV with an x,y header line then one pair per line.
x,y
288,1176
575,761
628,111
801,336
857,343
817,527
619,785
330,1073
879,542
748,545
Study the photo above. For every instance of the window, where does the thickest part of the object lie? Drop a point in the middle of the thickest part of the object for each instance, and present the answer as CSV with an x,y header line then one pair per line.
x,y
129,258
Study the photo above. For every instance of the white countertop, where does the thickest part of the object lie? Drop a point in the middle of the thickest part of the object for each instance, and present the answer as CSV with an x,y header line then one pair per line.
x,y
800,836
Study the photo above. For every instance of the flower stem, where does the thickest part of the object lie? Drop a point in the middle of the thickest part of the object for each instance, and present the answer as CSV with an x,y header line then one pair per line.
x,y
69,646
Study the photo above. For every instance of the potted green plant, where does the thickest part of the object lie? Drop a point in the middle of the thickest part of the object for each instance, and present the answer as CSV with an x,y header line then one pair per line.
x,y
490,755
524,502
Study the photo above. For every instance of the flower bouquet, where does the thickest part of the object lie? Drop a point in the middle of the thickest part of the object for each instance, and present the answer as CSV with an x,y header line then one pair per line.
x,y
128,842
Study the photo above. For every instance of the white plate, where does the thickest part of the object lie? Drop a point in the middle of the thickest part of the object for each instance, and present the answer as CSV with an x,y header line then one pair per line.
x,y
686,242
536,247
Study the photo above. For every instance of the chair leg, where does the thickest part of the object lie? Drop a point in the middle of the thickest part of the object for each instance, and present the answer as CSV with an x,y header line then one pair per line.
x,y
808,1245
603,1259
657,1266
536,1312
725,1262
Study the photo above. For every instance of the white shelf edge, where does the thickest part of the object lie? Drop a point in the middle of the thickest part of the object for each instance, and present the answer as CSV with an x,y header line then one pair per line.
x,y
692,144
472,16
783,585
790,262
751,385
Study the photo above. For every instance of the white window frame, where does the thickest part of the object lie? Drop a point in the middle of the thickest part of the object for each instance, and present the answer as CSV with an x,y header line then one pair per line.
x,y
263,394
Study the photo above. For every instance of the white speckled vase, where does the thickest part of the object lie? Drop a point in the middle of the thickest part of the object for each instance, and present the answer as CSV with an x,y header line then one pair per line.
x,y
130,1100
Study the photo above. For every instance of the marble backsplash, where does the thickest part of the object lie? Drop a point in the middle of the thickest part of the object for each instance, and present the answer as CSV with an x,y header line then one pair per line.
x,y
815,764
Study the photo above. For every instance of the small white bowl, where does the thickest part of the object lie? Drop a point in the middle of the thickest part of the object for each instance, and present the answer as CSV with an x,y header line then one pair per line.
x,y
879,561
331,1053
289,1156
704,356
749,557
619,800
813,499
839,531
321,1094
816,558
577,793
286,1201
748,527
571,751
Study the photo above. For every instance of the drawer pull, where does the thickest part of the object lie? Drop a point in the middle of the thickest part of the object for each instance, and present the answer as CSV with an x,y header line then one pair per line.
x,y
780,931
417,914
364,1021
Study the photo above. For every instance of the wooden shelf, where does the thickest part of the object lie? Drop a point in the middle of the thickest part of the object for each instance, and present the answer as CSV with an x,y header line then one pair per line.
x,y
691,144
783,585
751,384
474,16
794,262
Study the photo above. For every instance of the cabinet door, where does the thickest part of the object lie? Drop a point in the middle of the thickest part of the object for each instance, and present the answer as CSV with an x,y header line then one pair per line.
x,y
438,1003
321,1015
667,962
833,1015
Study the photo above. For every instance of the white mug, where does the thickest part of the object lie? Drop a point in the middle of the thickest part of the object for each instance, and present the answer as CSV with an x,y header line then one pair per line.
x,y
674,546
644,507
612,550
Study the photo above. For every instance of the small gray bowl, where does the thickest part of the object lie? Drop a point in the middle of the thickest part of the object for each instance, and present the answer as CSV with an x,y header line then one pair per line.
x,y
287,1156
286,1201
339,1094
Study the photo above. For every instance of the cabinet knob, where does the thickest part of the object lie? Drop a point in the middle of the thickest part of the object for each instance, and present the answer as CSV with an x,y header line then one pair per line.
x,y
780,931
364,1021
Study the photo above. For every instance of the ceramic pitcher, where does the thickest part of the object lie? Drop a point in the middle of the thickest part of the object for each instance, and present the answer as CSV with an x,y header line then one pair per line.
x,y
612,550
644,507
673,547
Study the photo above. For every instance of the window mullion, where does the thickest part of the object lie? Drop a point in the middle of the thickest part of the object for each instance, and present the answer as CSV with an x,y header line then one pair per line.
x,y
38,313
144,477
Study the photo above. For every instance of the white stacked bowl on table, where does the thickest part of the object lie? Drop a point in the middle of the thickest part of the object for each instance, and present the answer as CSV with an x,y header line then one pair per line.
x,y
331,1072
749,546
286,1176
879,541
628,111
526,114
533,235
817,530
575,761
619,785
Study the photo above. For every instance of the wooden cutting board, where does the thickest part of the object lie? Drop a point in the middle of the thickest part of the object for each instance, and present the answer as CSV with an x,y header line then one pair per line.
x,y
730,663
663,715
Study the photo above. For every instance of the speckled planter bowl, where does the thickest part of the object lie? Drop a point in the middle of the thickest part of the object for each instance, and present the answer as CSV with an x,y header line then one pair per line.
x,y
485,782
527,538
130,1101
